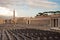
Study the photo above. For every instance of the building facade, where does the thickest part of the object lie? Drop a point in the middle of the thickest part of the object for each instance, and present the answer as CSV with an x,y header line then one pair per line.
x,y
50,20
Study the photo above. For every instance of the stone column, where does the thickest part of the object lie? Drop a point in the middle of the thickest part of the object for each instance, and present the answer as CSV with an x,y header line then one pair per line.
x,y
52,22
58,22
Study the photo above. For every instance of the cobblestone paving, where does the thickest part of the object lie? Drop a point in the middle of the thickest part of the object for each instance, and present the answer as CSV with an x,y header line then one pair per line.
x,y
28,34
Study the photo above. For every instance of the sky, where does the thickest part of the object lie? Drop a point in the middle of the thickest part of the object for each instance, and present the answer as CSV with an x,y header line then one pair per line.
x,y
28,8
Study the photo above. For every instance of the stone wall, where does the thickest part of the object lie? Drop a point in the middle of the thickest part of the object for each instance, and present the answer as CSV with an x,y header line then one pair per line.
x,y
41,22
1,21
21,21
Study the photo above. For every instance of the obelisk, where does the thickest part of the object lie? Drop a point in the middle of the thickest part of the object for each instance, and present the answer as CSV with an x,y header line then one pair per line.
x,y
14,17
13,14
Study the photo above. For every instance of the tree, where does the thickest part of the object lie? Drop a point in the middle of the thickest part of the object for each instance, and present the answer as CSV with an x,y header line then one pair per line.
x,y
40,14
45,12
58,12
54,13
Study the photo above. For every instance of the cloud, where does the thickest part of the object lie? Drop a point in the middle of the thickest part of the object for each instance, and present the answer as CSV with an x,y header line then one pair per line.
x,y
28,6
41,3
5,11
30,3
